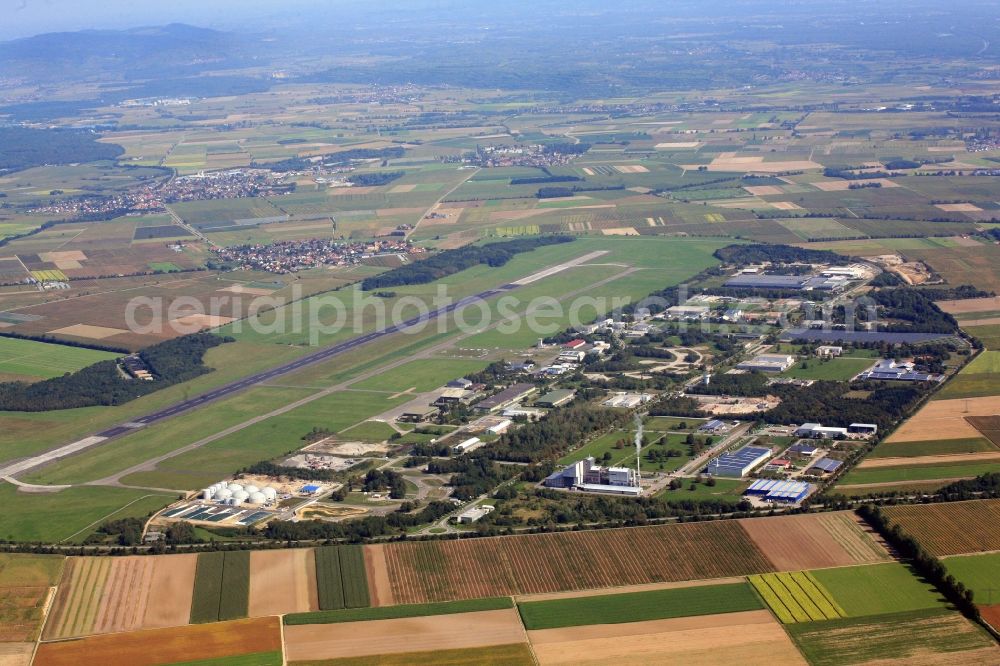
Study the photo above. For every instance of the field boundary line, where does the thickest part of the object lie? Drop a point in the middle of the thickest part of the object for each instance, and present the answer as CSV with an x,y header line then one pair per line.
x,y
99,520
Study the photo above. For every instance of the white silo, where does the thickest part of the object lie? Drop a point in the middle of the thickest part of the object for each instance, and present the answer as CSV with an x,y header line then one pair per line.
x,y
223,494
235,487
257,498
208,493
251,489
270,493
237,501
240,494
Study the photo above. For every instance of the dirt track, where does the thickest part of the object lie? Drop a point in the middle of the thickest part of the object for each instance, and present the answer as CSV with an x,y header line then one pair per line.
x,y
418,634
748,638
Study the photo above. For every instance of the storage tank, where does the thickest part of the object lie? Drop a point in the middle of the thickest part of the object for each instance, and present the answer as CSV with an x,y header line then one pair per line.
x,y
235,487
241,494
236,501
251,489
270,493
208,493
257,498
223,494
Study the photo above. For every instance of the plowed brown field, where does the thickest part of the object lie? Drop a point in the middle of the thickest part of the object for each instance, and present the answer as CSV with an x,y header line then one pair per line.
x,y
814,541
171,589
416,634
425,571
953,528
165,646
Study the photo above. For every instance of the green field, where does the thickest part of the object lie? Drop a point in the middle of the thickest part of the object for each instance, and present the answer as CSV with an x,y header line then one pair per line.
x,y
942,447
981,573
341,578
919,472
967,385
835,369
516,654
25,570
878,588
255,659
639,606
916,634
328,581
30,360
729,489
70,514
221,586
406,610
420,376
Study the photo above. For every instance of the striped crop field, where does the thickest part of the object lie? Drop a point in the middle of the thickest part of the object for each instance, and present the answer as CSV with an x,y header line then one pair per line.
x,y
796,597
341,578
221,586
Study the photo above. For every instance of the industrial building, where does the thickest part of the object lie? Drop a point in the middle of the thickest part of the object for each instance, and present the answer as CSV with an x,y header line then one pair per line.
x,y
713,426
474,514
419,414
889,370
862,428
803,449
738,463
687,312
790,492
505,398
467,445
825,466
556,398
829,351
768,363
627,400
817,431
586,475
796,282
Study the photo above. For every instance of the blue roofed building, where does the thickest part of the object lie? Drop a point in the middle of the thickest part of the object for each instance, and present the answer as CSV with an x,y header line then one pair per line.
x,y
825,466
738,463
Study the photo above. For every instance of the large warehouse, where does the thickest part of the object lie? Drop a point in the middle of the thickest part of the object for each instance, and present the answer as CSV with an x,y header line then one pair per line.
x,y
770,490
768,363
738,463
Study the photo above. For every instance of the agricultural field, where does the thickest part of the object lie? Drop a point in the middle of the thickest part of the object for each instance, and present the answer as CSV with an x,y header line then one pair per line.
x,y
955,528
221,586
817,540
25,587
282,581
341,577
878,589
979,573
638,606
27,360
835,369
796,597
422,572
913,637
104,595
256,641
400,611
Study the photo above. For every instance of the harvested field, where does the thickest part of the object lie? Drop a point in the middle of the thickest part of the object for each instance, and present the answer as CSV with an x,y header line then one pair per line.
x,y
441,632
763,190
540,563
991,614
954,528
78,600
959,208
918,635
123,603
379,587
198,322
754,164
988,321
749,638
785,205
166,646
945,419
251,291
88,331
620,231
814,541
844,185
282,581
990,304
668,145
16,654
21,612
172,585
631,168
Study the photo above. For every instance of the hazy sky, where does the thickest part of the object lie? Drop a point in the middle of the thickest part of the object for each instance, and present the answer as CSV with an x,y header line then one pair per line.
x,y
23,18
